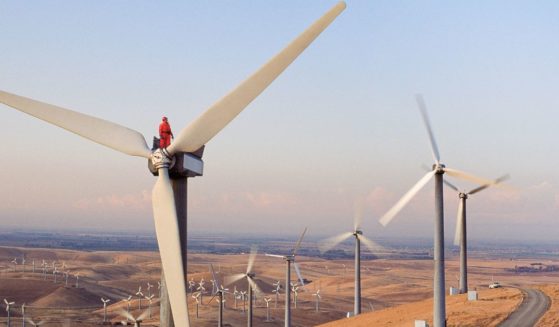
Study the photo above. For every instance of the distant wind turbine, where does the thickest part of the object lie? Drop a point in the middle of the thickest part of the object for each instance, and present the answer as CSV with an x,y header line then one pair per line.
x,y
460,236
252,287
288,260
439,307
357,233
8,306
105,301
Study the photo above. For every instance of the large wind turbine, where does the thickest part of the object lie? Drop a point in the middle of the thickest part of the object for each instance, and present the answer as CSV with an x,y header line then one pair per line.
x,y
439,314
460,236
166,200
329,243
288,260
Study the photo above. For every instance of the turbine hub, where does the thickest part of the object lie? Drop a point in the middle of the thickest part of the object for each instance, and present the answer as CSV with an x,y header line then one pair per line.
x,y
251,275
357,232
463,196
439,168
160,158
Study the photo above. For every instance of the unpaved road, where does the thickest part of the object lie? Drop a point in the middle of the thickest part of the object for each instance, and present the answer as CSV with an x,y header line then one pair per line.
x,y
534,305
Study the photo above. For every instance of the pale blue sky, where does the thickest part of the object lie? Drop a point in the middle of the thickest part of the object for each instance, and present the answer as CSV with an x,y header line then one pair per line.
x,y
340,122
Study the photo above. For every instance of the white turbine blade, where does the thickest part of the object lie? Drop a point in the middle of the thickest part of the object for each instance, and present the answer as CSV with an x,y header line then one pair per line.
x,y
298,273
298,244
370,244
252,256
126,314
114,136
232,279
331,242
168,239
254,286
214,119
452,186
423,109
274,255
142,316
458,232
467,176
495,182
359,207
384,220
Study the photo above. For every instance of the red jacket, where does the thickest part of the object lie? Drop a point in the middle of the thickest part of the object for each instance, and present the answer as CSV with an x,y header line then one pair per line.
x,y
165,130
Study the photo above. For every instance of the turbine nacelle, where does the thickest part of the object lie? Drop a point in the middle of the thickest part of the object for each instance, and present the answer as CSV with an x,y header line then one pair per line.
x,y
438,168
181,164
462,195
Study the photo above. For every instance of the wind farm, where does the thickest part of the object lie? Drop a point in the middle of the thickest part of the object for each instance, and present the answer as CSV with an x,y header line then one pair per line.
x,y
272,126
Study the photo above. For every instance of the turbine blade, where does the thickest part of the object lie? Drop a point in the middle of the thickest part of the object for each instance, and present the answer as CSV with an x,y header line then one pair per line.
x,y
298,271
252,256
299,241
384,220
142,316
114,136
370,244
467,176
274,255
254,286
214,119
423,109
359,207
458,231
233,279
168,239
331,242
126,314
495,182
452,186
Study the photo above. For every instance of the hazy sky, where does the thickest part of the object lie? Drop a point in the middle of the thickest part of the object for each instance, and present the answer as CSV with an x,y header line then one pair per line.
x,y
341,122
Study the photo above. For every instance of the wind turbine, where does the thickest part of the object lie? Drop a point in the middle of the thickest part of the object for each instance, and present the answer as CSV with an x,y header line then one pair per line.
x,y
252,287
196,297
220,292
23,315
439,310
77,280
201,289
128,303
149,289
166,201
357,233
288,260
267,300
150,299
140,295
460,236
15,264
318,297
105,301
8,305
277,292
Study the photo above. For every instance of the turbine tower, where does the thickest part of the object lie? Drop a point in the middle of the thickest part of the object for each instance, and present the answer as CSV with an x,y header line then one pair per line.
x,y
439,308
288,260
460,236
357,233
169,199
